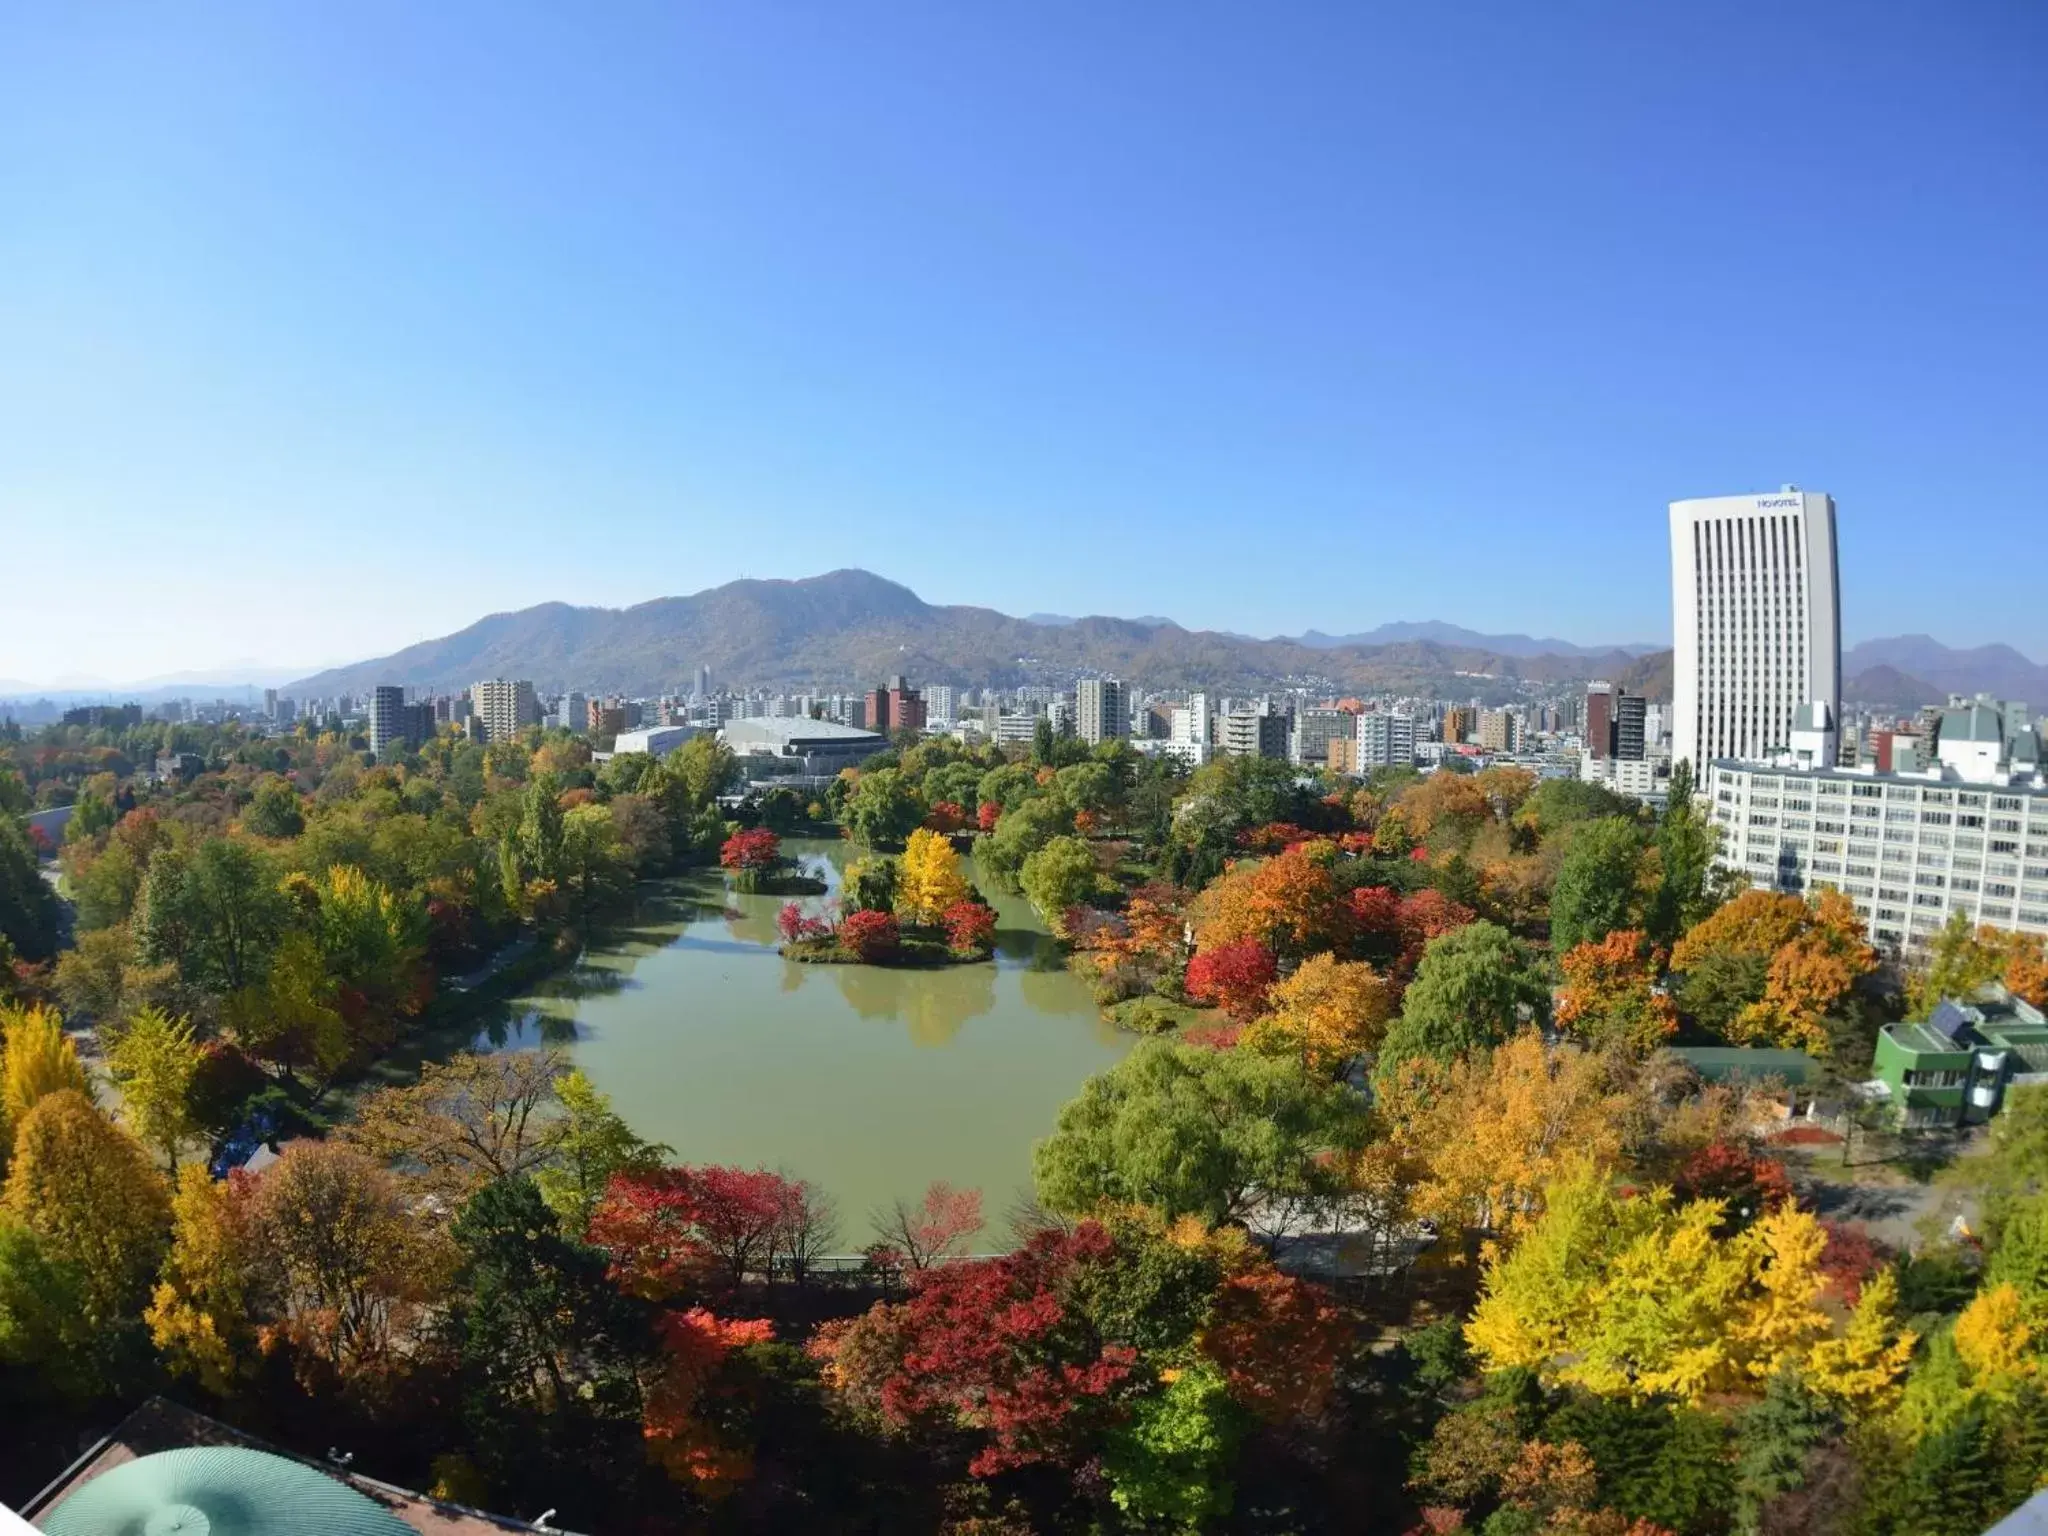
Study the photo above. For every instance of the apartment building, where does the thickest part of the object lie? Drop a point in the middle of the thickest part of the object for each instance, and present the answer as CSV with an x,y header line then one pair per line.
x,y
1101,710
503,709
1965,832
1249,733
1386,739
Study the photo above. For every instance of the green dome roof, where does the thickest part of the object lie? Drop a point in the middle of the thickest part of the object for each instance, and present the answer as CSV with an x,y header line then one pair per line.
x,y
219,1491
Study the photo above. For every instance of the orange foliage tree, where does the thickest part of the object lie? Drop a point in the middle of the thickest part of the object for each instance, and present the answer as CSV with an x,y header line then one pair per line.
x,y
1816,953
1326,1013
1289,903
681,1439
1485,1134
1608,995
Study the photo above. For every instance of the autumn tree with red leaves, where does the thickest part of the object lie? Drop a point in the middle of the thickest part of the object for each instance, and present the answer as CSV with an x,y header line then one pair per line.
x,y
1393,930
986,815
1731,1172
681,1439
670,1231
796,928
934,1230
1278,1341
755,850
1233,977
971,928
991,1345
947,816
871,936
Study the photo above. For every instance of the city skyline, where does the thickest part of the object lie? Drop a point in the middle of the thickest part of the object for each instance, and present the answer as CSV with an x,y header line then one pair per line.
x,y
1445,306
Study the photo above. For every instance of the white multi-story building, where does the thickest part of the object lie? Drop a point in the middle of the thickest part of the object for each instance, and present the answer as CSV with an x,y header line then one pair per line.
x,y
1100,711
1755,614
1386,738
1192,723
938,704
1968,832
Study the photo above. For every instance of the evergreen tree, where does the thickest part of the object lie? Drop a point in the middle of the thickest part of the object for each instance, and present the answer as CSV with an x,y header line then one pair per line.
x,y
1773,1441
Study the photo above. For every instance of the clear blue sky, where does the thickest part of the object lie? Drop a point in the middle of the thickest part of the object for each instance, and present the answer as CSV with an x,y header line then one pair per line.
x,y
326,329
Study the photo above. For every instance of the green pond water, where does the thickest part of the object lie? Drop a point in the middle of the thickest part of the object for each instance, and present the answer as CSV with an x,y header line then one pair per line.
x,y
870,1082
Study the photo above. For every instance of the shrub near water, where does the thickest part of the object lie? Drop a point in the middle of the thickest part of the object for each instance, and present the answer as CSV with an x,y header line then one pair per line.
x,y
872,937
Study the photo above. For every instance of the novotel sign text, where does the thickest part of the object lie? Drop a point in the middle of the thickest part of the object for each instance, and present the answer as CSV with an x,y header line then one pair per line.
x,y
1777,501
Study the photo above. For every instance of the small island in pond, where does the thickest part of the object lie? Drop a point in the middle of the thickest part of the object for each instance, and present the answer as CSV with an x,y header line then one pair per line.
x,y
758,866
917,910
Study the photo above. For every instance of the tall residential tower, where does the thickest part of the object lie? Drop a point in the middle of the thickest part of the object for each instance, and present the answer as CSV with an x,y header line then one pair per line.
x,y
1100,712
1756,626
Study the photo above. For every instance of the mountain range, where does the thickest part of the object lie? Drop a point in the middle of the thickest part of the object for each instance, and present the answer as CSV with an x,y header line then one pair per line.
x,y
1440,633
852,629
1993,669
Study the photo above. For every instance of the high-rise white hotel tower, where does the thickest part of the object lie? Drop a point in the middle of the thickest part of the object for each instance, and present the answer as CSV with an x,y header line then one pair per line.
x,y
1756,626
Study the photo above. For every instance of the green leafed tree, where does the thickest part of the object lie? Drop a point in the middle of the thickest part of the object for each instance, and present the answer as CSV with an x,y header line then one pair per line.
x,y
1060,875
154,1059
1195,1132
215,913
882,809
1467,993
1168,1465
595,1143
28,907
1595,891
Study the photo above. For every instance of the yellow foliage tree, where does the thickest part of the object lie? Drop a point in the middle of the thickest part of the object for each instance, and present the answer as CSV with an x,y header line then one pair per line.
x,y
1660,1321
1499,1126
1326,1013
1641,1297
86,1189
1862,1369
1783,1320
199,1316
40,1060
155,1058
931,880
1756,923
1994,1340
1444,800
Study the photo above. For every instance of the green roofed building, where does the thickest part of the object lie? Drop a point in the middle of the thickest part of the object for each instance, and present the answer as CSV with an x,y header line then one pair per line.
x,y
218,1490
168,1471
1953,1068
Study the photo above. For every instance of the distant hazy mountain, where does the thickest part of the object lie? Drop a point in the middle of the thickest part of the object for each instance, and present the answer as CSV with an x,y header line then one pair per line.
x,y
227,678
1062,620
1440,633
851,628
1886,687
1995,669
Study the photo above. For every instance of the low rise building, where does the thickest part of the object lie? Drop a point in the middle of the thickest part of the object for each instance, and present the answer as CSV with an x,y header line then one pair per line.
x,y
656,741
1954,1068
811,748
1316,729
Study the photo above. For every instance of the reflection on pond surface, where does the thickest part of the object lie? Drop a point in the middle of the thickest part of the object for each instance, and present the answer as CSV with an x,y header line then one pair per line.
x,y
869,1081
